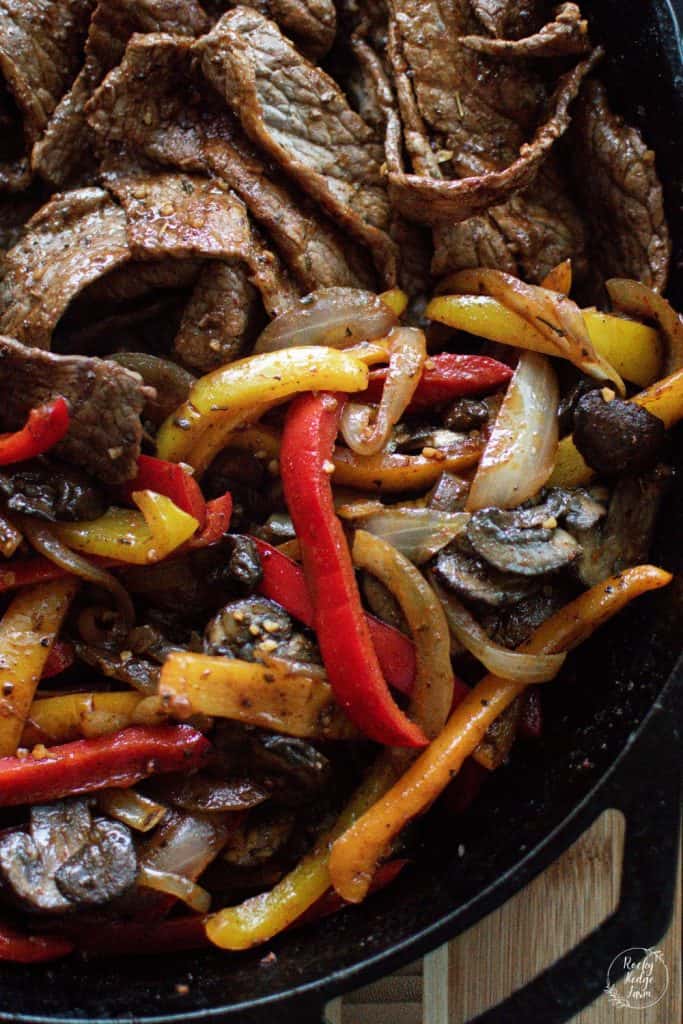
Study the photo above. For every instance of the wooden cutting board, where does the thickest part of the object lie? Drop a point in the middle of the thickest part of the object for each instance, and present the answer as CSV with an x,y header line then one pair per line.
x,y
510,946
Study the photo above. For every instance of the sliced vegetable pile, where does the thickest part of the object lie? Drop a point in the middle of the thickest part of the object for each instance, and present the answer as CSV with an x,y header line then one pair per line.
x,y
232,681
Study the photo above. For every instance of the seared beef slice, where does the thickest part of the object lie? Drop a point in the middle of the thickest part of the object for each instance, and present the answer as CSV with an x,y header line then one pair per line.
x,y
152,102
311,24
66,146
301,119
477,132
620,192
105,402
41,43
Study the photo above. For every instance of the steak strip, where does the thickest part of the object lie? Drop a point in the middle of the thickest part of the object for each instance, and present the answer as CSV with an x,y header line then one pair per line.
x,y
105,404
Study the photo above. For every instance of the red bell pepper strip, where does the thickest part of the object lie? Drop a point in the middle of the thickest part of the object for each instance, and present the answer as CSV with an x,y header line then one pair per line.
x,y
331,902
116,938
283,581
171,480
352,667
45,426
450,375
31,949
60,658
217,522
109,761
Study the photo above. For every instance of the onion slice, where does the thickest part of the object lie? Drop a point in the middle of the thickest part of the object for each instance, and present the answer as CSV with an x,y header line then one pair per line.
x,y
133,809
506,664
182,888
554,316
637,300
336,317
520,454
418,533
406,360
432,696
46,543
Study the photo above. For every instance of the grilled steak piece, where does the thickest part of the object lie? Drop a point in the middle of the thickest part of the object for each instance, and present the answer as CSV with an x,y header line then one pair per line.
x,y
620,192
154,104
40,45
298,115
510,19
65,149
311,24
567,33
105,402
478,130
79,236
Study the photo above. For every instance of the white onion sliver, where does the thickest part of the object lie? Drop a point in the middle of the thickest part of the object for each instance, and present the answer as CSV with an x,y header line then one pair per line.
x,y
636,299
176,885
408,350
418,533
336,317
514,665
520,453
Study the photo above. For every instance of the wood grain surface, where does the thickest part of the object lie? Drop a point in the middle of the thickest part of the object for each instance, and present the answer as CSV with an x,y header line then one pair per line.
x,y
511,945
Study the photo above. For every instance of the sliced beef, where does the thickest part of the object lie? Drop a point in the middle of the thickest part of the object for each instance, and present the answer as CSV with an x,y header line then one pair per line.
x,y
567,33
616,177
105,402
153,103
222,316
478,131
40,46
15,211
510,19
311,24
73,240
66,146
298,115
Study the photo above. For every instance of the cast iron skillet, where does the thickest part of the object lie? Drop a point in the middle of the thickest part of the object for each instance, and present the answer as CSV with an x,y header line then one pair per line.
x,y
611,740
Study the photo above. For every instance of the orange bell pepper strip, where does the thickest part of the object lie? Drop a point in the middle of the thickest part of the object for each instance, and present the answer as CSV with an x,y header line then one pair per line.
x,y
356,853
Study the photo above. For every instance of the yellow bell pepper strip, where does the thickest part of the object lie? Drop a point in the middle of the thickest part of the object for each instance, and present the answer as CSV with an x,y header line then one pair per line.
x,y
227,396
73,716
396,300
258,919
392,473
632,348
357,852
272,695
663,399
125,535
352,665
28,630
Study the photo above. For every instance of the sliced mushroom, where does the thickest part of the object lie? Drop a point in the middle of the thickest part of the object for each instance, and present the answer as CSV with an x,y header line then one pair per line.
x,y
205,795
624,539
449,493
65,860
616,437
121,665
527,542
239,569
52,491
291,769
475,580
254,628
413,437
466,414
102,869
584,508
260,838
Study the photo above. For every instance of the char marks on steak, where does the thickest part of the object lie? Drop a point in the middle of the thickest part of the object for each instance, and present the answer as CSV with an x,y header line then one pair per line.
x,y
41,42
105,403
311,24
65,150
620,193
301,119
153,103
